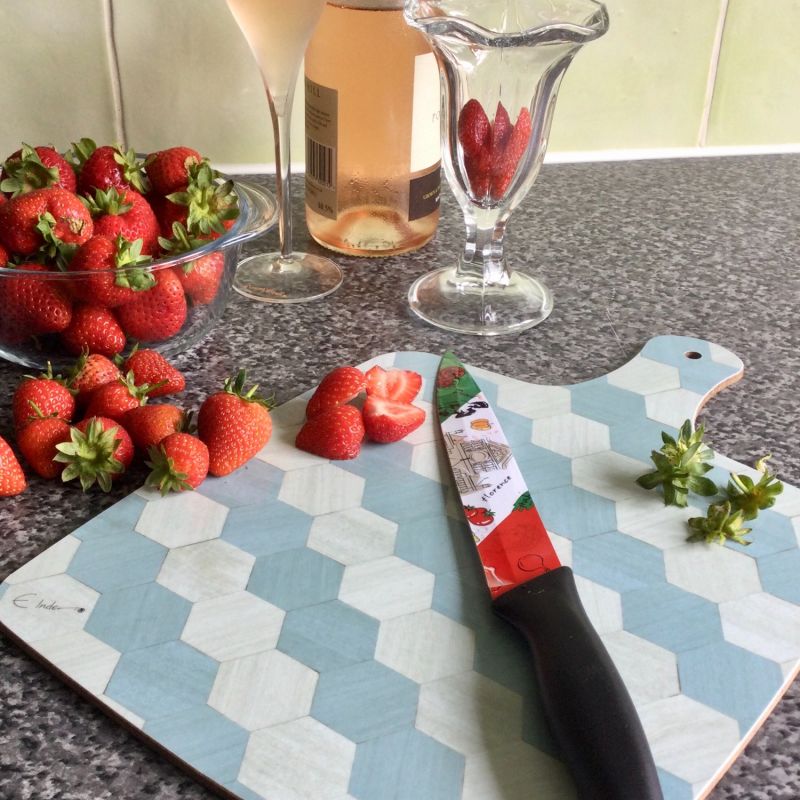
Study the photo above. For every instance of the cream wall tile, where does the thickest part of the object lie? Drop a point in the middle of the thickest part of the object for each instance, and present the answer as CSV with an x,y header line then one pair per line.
x,y
644,83
56,83
757,95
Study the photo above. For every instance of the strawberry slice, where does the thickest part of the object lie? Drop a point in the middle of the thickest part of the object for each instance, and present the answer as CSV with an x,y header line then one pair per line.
x,y
389,421
501,133
505,168
336,388
400,385
474,129
336,433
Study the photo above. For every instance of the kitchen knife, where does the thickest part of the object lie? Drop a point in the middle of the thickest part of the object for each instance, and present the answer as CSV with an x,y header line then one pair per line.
x,y
588,708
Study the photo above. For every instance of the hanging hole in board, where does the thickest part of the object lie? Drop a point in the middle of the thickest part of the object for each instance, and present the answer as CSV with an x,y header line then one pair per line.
x,y
693,354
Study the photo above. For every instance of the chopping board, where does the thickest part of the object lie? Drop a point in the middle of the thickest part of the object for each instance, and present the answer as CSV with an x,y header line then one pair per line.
x,y
311,629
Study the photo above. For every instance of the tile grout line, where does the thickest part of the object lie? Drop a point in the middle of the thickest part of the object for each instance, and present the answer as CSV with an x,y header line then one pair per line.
x,y
113,65
702,134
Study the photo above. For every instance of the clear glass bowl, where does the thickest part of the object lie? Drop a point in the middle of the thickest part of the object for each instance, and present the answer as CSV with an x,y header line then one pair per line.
x,y
258,213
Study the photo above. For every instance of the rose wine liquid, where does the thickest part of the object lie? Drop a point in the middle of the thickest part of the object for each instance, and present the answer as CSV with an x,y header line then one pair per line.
x,y
372,133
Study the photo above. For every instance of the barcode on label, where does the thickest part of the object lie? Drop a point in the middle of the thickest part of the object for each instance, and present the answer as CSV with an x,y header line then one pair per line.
x,y
320,163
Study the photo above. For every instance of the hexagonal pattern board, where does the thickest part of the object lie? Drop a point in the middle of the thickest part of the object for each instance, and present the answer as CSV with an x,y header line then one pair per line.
x,y
304,629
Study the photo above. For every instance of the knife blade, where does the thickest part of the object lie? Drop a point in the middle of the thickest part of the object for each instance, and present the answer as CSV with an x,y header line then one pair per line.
x,y
587,705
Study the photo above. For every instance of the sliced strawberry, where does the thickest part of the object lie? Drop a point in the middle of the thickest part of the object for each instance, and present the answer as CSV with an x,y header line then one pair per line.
x,y
400,385
389,421
336,433
503,171
501,133
474,129
337,388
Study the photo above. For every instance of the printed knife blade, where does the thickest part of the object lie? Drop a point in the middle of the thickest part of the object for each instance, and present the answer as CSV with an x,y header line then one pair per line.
x,y
587,705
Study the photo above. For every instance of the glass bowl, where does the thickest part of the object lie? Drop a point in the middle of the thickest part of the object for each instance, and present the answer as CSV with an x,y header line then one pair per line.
x,y
28,346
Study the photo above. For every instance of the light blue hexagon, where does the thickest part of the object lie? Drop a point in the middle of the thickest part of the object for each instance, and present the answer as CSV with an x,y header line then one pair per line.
x,y
770,533
364,701
205,739
730,679
464,597
516,428
439,544
242,792
295,578
266,527
3,589
671,617
163,680
674,788
599,400
424,363
638,438
117,560
120,518
543,469
407,765
575,513
138,616
779,575
618,561
328,636
382,496
389,462
672,350
256,479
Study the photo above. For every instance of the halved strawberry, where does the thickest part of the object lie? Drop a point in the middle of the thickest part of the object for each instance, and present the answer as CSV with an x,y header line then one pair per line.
x,y
389,421
336,433
337,388
504,169
400,385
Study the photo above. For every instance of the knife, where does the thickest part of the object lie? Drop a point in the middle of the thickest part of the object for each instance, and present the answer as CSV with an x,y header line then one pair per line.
x,y
588,708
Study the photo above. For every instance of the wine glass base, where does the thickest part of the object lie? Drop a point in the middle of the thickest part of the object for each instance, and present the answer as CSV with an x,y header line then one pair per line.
x,y
466,305
298,278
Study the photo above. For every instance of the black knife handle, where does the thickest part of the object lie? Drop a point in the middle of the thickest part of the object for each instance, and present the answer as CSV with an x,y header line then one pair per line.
x,y
588,708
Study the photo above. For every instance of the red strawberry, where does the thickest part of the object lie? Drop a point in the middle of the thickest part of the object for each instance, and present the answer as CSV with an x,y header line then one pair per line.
x,y
44,218
474,129
179,463
388,421
501,131
336,388
90,372
149,366
503,170
3,256
32,303
448,376
43,396
211,206
118,271
168,169
335,433
35,168
149,424
93,328
234,424
106,166
200,277
478,516
99,450
168,214
37,442
400,385
113,400
124,212
157,313
12,478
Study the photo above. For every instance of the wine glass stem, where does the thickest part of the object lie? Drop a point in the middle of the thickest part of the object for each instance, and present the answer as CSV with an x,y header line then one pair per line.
x,y
281,123
483,252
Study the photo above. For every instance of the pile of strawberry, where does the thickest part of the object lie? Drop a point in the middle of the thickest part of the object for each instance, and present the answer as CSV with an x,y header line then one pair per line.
x,y
335,429
492,150
105,212
115,423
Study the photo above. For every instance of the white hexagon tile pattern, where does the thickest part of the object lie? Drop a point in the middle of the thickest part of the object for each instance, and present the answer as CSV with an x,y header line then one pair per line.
x,y
306,630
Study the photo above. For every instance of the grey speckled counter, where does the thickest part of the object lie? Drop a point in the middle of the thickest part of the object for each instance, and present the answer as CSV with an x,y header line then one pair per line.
x,y
701,247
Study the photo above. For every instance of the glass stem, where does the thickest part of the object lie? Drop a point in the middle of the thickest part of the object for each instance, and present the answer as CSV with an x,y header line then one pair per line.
x,y
483,252
281,111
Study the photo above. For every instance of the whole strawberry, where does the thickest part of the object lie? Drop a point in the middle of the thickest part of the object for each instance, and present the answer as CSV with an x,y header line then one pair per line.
x,y
475,136
158,313
124,212
107,166
168,169
149,424
32,302
45,395
336,433
113,271
149,366
35,168
178,463
93,328
3,256
37,442
99,450
211,207
90,372
12,478
336,388
201,277
234,424
115,399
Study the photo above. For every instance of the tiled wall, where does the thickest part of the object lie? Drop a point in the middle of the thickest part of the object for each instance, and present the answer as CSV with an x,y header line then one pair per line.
x,y
669,74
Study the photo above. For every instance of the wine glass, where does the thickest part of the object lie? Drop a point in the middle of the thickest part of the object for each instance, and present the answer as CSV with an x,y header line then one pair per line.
x,y
501,63
278,33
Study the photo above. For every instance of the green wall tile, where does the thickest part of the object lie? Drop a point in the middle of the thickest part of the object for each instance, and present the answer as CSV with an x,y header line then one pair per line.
x,y
56,84
757,92
643,84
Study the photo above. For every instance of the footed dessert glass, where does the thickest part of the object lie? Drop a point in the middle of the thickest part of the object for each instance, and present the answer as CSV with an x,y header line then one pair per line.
x,y
501,63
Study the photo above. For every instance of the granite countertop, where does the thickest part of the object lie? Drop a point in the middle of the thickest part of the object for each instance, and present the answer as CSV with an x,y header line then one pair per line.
x,y
700,247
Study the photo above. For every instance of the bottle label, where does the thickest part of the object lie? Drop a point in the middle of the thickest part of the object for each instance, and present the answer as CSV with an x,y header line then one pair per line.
x,y
426,143
322,105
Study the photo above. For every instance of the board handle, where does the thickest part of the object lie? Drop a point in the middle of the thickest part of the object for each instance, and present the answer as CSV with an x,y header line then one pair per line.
x,y
590,712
